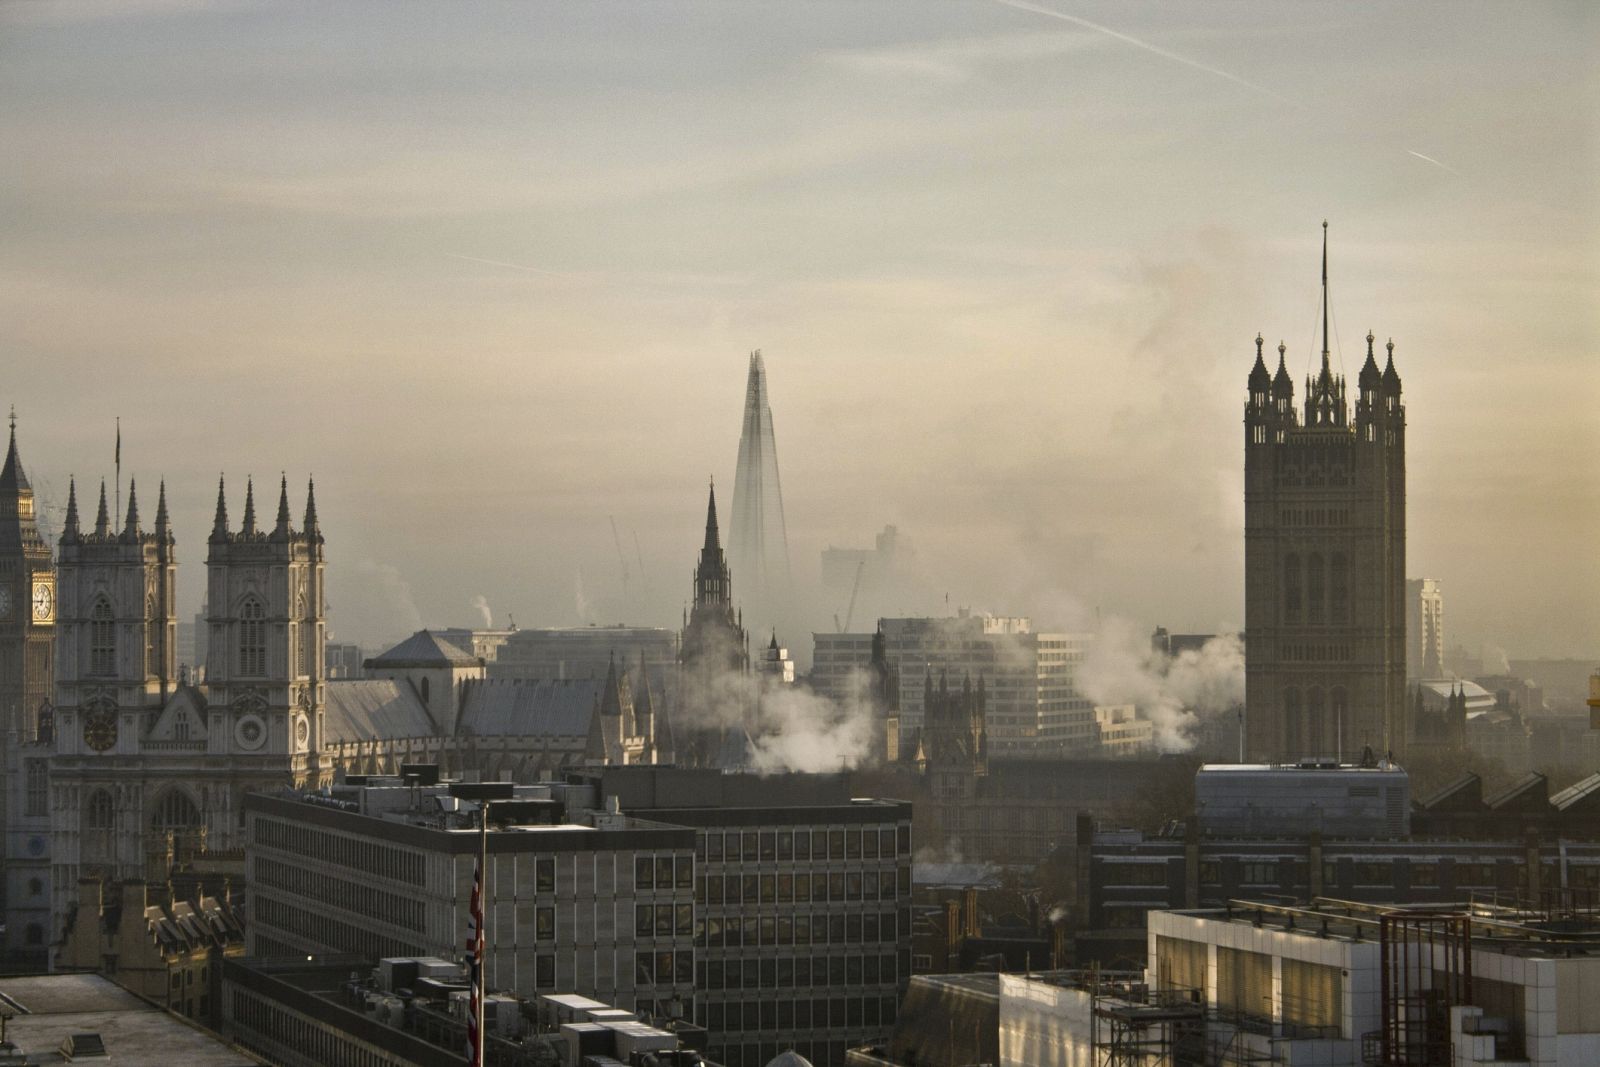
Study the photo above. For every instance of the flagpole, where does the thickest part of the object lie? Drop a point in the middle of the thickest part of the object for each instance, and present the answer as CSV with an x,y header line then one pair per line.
x,y
483,865
117,514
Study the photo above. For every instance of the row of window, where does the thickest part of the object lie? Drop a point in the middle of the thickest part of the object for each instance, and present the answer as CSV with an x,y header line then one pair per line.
x,y
786,888
749,931
252,1015
1490,875
783,845
363,855
175,813
783,1014
406,911
796,972
1326,587
660,872
321,930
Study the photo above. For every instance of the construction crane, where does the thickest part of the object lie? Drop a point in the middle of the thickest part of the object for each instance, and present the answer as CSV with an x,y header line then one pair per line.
x,y
850,612
622,559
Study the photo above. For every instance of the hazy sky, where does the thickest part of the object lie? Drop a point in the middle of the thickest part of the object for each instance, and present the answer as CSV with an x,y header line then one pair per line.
x,y
492,273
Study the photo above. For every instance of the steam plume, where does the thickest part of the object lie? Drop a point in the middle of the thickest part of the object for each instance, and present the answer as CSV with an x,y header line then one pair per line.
x,y
1122,667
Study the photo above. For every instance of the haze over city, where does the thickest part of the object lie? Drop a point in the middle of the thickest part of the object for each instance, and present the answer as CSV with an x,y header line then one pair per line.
x,y
492,274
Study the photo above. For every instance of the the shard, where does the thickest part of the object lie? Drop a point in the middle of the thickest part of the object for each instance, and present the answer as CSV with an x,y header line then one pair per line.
x,y
759,547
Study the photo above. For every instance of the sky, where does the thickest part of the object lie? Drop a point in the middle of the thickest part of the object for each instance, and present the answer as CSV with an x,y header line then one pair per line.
x,y
492,272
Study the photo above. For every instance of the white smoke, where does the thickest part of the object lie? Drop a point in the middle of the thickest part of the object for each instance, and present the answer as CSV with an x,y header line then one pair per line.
x,y
481,603
382,584
789,727
580,598
1173,693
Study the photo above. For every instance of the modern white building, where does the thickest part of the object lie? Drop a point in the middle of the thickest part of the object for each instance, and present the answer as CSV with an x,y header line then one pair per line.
x,y
1034,706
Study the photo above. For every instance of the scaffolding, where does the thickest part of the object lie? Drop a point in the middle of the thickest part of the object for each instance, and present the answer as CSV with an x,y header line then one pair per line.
x,y
1136,1026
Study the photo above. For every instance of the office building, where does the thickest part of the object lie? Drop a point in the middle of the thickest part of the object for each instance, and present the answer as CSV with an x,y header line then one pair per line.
x,y
1424,629
604,905
758,548
803,897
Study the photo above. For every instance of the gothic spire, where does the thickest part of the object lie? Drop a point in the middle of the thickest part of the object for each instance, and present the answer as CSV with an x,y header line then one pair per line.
x,y
70,531
163,522
281,530
1391,377
219,526
130,528
1369,369
248,526
12,478
102,522
713,539
311,529
1325,298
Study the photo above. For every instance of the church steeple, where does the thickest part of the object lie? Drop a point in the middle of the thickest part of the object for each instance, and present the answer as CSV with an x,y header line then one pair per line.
x,y
712,584
1325,403
163,523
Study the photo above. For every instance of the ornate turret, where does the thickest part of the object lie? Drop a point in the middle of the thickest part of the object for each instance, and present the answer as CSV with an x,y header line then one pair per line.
x,y
70,532
219,525
1369,370
312,530
102,521
281,530
712,583
247,528
130,528
1391,377
1260,380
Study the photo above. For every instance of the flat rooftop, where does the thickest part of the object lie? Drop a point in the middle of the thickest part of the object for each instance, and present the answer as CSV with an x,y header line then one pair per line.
x,y
47,1009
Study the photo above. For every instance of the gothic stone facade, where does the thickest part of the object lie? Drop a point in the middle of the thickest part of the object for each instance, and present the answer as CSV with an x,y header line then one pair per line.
x,y
1325,552
146,765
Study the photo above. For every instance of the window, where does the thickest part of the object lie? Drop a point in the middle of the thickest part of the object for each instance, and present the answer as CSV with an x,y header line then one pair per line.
x,y
1314,587
544,875
1339,580
176,812
152,647
37,801
1291,588
101,813
102,639
252,638
308,638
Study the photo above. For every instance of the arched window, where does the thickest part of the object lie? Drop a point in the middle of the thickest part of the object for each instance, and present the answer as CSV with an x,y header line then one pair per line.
x,y
1339,581
1291,588
1338,717
252,638
176,812
102,639
1314,587
424,690
101,812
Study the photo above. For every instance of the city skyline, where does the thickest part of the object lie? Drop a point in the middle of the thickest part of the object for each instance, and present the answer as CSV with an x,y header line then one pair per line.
x,y
490,280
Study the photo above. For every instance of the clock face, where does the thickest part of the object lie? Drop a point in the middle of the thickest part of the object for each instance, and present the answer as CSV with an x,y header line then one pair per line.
x,y
100,730
44,602
5,602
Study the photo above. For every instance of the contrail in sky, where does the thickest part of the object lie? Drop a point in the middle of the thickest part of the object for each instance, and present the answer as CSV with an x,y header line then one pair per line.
x,y
513,266
1148,47
1435,162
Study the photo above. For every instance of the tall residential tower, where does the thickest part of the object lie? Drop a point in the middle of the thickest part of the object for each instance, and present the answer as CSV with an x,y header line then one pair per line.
x,y
1325,560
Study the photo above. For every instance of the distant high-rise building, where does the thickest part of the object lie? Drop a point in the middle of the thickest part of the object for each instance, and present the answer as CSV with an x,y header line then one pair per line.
x,y
759,546
1424,629
1325,560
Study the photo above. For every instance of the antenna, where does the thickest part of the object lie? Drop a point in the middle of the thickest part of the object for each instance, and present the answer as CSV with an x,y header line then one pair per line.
x,y
622,559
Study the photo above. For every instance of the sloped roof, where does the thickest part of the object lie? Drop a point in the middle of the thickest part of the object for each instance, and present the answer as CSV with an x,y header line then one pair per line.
x,y
1531,792
368,709
1463,794
510,707
1577,793
425,649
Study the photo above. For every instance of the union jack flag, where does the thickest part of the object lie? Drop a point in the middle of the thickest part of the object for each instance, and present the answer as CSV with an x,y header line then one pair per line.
x,y
475,959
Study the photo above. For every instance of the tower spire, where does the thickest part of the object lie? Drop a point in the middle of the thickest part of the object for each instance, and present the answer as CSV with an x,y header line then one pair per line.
x,y
130,528
102,522
713,538
1325,369
163,523
70,530
219,526
282,527
11,476
311,528
248,526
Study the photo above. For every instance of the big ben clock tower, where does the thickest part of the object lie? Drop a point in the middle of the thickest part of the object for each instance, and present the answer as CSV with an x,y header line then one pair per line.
x,y
27,606
27,644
